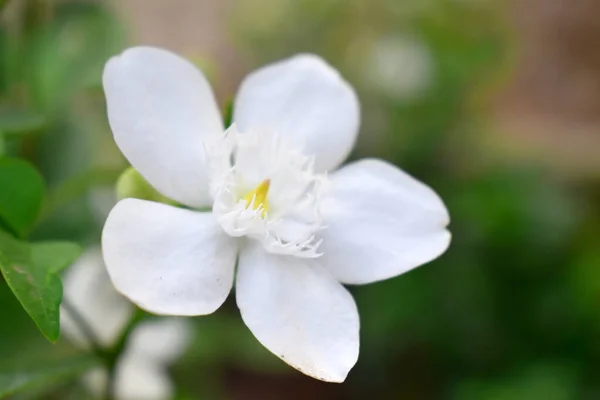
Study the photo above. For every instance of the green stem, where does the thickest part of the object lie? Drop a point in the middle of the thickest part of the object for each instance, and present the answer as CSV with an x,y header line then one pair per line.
x,y
117,350
111,356
84,328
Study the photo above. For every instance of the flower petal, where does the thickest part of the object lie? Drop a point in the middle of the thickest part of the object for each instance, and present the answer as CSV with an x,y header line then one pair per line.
x,y
139,378
168,260
161,340
305,98
161,109
380,222
298,311
88,289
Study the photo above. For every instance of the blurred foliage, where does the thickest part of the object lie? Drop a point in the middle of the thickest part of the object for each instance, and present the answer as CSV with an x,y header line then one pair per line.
x,y
509,312
50,55
21,197
16,380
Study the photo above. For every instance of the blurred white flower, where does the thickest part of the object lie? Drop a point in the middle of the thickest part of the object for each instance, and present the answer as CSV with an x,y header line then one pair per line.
x,y
297,234
401,67
153,345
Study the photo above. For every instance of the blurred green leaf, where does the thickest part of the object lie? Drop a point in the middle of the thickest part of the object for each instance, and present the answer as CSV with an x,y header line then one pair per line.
x,y
68,54
21,194
76,186
546,380
31,271
5,56
15,380
19,121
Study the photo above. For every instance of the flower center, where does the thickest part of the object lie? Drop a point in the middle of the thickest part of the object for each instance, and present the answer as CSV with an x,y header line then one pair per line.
x,y
282,211
257,198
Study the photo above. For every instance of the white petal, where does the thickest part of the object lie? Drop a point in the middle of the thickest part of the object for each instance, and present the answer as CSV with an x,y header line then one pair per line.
x,y
380,222
298,311
168,260
161,109
138,378
161,340
87,288
305,98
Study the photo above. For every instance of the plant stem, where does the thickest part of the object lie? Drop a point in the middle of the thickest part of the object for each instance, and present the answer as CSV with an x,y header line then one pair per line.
x,y
117,350
84,328
110,357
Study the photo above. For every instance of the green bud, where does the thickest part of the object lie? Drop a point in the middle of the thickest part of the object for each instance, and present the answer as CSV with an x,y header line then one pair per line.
x,y
132,184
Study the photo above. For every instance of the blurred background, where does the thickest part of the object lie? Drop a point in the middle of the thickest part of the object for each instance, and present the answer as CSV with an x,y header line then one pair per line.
x,y
495,104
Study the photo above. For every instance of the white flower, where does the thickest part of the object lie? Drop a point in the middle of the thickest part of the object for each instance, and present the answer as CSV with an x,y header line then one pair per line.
x,y
401,66
297,234
153,345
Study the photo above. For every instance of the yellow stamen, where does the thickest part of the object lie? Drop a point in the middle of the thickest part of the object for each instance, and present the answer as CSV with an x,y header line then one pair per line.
x,y
259,195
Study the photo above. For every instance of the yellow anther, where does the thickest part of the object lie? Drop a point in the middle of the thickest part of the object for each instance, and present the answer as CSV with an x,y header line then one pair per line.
x,y
259,195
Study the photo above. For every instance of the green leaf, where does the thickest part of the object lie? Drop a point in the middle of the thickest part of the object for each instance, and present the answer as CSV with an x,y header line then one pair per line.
x,y
21,195
20,121
56,255
31,271
15,380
